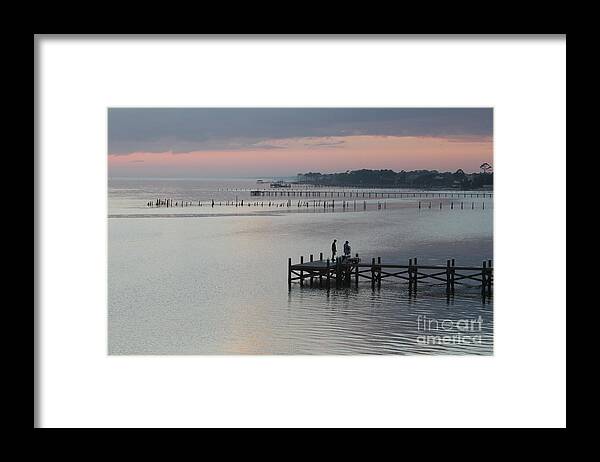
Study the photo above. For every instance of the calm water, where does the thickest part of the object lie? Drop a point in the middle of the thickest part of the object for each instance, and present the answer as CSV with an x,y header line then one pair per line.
x,y
204,280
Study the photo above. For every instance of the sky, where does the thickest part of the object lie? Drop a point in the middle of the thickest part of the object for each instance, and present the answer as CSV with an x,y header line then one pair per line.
x,y
265,142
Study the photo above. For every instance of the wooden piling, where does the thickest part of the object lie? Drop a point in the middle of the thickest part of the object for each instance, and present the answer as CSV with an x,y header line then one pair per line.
x,y
379,272
489,278
328,275
356,272
311,276
448,276
301,272
289,272
373,273
483,277
415,273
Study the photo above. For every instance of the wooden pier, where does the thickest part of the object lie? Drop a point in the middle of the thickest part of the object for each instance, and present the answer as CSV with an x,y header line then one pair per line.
x,y
370,194
345,271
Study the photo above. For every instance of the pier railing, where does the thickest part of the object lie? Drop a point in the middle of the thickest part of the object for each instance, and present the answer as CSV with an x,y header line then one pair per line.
x,y
343,270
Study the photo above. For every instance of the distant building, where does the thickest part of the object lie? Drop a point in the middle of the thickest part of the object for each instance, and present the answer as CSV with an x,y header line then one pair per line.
x,y
280,184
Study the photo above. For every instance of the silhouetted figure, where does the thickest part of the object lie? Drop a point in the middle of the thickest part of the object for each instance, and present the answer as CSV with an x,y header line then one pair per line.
x,y
333,249
347,250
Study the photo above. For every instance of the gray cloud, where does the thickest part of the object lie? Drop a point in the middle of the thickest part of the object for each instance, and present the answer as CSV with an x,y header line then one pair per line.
x,y
203,129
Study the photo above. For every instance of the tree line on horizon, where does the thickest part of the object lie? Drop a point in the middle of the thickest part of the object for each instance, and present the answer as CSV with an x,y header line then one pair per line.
x,y
410,179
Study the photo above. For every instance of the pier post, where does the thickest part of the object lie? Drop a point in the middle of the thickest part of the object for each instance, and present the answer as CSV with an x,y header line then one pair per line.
x,y
311,273
373,273
410,277
328,275
489,280
452,274
379,272
301,272
289,273
448,276
356,272
415,274
483,278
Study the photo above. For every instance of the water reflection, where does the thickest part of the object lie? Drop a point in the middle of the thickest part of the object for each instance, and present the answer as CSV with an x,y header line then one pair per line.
x,y
385,321
218,285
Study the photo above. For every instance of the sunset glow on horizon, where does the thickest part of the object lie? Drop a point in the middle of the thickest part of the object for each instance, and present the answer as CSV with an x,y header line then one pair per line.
x,y
203,152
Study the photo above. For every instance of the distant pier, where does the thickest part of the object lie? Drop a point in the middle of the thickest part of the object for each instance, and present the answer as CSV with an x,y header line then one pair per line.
x,y
345,271
370,194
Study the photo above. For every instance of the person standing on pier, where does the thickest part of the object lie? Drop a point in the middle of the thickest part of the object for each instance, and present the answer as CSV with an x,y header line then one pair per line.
x,y
347,250
333,249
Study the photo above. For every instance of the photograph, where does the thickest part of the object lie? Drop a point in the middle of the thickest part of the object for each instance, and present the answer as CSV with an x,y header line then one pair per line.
x,y
300,231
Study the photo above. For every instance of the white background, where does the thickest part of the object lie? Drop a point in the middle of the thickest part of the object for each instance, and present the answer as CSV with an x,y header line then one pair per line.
x,y
524,384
